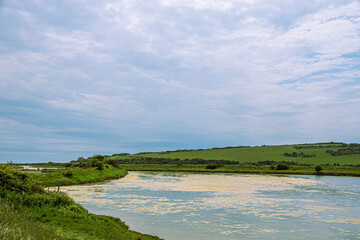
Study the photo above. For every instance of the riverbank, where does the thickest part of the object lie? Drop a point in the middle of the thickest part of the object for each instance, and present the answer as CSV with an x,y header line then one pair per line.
x,y
77,175
293,170
28,210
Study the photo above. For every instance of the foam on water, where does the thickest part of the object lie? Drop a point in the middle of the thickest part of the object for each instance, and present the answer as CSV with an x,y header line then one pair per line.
x,y
227,206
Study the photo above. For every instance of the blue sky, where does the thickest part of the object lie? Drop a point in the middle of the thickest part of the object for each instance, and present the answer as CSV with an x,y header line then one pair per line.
x,y
79,78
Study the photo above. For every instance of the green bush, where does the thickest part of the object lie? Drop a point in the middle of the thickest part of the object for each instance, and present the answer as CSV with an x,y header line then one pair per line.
x,y
281,166
213,166
68,174
99,165
17,181
318,169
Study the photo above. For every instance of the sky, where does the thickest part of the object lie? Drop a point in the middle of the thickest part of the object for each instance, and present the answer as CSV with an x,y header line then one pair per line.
x,y
79,78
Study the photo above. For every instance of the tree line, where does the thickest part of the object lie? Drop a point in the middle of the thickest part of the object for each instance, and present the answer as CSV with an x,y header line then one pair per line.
x,y
345,151
151,160
301,154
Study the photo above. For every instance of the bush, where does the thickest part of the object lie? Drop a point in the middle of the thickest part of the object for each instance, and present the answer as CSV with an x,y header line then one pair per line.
x,y
281,166
98,162
17,181
113,163
68,174
213,166
318,169
99,165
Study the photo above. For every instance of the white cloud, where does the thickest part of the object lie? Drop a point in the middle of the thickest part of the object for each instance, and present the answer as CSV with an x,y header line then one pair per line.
x,y
199,4
178,69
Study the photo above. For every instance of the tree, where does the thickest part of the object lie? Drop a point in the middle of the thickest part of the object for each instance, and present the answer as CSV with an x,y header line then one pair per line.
x,y
213,166
98,157
97,161
281,166
99,165
318,169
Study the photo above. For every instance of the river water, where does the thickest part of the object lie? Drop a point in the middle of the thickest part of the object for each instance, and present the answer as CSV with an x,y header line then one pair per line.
x,y
177,206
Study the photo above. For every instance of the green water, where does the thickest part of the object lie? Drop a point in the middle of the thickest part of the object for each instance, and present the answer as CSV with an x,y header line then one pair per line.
x,y
229,206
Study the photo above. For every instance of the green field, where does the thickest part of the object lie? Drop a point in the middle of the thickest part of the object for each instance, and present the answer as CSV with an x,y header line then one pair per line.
x,y
263,153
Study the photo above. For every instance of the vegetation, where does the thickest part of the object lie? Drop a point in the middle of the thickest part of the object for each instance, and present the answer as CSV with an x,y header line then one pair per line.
x,y
156,160
301,154
281,166
344,151
318,169
77,175
28,211
246,159
50,215
213,166
310,154
16,225
331,170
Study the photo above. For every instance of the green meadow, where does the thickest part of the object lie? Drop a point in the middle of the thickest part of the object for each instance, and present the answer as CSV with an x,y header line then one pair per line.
x,y
261,153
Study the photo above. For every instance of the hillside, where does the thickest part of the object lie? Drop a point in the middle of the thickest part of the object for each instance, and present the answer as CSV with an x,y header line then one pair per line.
x,y
319,153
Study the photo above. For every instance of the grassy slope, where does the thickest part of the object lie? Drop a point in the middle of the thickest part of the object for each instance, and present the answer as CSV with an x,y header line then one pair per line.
x,y
255,154
27,210
15,225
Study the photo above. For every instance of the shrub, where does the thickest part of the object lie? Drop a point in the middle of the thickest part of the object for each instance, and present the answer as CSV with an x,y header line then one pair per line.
x,y
281,166
99,165
213,166
113,163
68,174
98,162
318,169
17,181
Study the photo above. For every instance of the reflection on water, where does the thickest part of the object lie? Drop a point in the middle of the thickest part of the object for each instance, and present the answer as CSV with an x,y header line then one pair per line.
x,y
229,206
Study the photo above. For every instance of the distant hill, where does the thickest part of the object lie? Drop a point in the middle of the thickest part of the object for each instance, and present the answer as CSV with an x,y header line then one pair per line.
x,y
314,153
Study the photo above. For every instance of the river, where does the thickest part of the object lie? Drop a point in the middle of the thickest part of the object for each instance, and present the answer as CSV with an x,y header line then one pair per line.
x,y
177,206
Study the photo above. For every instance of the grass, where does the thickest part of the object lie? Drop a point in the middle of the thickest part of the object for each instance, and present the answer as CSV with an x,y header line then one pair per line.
x,y
29,212
16,225
263,153
294,169
77,175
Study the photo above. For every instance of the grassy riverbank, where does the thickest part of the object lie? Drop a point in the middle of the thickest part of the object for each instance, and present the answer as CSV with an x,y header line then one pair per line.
x,y
77,175
29,212
251,169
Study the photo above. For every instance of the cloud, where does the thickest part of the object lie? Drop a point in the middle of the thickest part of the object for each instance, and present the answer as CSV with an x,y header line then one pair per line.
x,y
139,76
